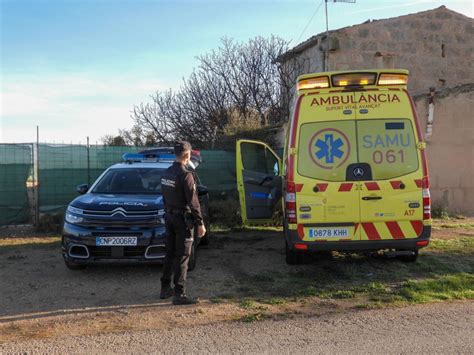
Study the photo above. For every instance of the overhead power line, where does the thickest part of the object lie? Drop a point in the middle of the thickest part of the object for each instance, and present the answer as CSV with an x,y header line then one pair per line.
x,y
310,20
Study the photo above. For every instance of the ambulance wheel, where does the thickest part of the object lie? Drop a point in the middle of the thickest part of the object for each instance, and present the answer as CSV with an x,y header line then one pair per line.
x,y
409,258
192,258
293,257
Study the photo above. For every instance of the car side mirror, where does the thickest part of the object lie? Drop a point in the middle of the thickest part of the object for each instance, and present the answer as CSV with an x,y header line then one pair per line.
x,y
276,169
82,189
202,190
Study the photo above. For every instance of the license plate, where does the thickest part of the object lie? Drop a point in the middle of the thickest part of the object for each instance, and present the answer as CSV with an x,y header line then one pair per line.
x,y
328,232
116,241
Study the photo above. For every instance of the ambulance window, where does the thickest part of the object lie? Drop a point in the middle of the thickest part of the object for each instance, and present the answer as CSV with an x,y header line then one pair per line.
x,y
326,149
389,147
256,157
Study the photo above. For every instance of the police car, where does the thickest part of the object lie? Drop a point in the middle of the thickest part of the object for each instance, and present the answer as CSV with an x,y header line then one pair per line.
x,y
354,174
120,218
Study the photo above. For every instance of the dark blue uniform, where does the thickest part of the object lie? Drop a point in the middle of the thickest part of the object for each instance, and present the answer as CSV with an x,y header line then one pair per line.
x,y
180,197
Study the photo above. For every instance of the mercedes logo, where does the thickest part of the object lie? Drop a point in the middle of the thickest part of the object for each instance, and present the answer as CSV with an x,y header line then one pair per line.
x,y
358,172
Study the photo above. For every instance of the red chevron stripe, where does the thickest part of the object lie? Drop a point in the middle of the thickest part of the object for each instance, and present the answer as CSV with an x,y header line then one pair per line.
x,y
417,227
299,187
372,186
322,187
347,186
355,227
395,230
300,229
371,231
396,184
419,182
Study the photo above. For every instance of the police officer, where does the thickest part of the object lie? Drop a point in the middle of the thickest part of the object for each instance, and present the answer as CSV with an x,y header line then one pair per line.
x,y
180,198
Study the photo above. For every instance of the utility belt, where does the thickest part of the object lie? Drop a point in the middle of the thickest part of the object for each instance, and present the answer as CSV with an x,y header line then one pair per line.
x,y
188,216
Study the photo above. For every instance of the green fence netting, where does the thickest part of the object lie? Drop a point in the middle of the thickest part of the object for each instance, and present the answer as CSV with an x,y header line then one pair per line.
x,y
217,171
63,167
15,168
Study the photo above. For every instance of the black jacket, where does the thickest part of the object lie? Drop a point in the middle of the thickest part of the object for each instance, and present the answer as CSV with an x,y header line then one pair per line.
x,y
179,191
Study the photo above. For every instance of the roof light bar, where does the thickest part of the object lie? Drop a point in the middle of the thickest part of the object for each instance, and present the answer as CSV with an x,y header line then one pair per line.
x,y
353,79
393,79
313,83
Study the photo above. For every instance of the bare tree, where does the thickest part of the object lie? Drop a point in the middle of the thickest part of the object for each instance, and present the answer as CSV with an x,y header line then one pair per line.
x,y
238,84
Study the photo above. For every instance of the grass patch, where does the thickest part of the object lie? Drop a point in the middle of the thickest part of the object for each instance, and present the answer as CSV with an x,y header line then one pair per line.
x,y
446,287
457,246
253,317
444,271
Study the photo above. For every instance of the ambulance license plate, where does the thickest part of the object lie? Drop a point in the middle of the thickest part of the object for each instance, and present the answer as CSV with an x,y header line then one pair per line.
x,y
328,232
116,241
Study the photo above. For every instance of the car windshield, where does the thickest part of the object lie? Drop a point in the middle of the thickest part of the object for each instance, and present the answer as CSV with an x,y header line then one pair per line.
x,y
130,181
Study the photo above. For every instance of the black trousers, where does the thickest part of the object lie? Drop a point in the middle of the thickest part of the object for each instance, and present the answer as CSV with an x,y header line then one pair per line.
x,y
179,243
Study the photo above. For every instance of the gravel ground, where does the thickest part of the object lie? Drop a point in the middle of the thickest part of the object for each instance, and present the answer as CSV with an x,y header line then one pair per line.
x,y
433,328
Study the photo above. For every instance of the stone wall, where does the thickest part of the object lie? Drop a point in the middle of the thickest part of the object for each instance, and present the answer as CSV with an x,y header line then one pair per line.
x,y
436,46
450,149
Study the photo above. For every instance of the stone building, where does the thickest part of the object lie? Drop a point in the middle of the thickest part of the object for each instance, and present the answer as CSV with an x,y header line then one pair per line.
x,y
436,46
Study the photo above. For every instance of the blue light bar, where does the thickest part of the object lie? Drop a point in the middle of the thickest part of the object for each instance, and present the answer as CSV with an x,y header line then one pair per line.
x,y
148,158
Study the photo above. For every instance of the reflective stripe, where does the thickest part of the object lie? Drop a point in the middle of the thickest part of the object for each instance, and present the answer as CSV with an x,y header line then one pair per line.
x,y
396,184
300,231
419,183
395,230
345,187
322,187
371,231
372,186
417,227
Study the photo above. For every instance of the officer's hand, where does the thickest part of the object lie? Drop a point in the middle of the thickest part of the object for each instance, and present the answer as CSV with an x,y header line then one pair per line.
x,y
201,231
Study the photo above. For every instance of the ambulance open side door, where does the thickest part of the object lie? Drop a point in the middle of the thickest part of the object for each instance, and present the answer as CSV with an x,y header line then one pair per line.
x,y
259,181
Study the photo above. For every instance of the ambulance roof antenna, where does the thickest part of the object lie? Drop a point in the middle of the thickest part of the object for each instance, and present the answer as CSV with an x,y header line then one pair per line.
x,y
326,52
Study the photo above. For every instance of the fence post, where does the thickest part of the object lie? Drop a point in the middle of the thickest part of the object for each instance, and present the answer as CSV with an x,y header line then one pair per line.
x,y
37,178
88,163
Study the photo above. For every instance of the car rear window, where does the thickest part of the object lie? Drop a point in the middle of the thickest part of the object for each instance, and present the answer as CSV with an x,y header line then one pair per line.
x,y
130,181
327,148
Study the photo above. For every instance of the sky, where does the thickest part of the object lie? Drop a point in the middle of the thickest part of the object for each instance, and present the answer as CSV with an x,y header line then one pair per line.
x,y
76,68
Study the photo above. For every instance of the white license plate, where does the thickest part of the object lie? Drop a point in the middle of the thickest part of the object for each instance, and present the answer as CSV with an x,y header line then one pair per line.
x,y
329,233
116,241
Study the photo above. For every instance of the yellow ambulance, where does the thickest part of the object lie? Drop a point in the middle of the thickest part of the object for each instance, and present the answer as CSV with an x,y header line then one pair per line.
x,y
354,175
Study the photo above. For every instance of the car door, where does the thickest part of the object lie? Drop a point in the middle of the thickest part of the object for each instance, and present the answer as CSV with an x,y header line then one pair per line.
x,y
259,183
391,205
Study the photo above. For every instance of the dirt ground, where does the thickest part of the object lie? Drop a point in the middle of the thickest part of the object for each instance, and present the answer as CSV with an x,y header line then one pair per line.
x,y
40,297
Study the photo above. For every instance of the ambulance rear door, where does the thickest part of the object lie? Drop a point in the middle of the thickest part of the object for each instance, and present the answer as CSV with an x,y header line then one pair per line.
x,y
391,205
327,202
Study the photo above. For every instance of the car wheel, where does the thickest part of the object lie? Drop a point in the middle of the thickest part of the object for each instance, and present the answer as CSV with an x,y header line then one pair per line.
x,y
293,257
409,258
192,258
72,266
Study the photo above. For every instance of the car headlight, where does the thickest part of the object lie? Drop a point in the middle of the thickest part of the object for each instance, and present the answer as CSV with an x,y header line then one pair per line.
x,y
72,215
73,219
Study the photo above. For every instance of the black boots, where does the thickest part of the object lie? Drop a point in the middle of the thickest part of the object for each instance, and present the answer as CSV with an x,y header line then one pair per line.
x,y
182,299
166,292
